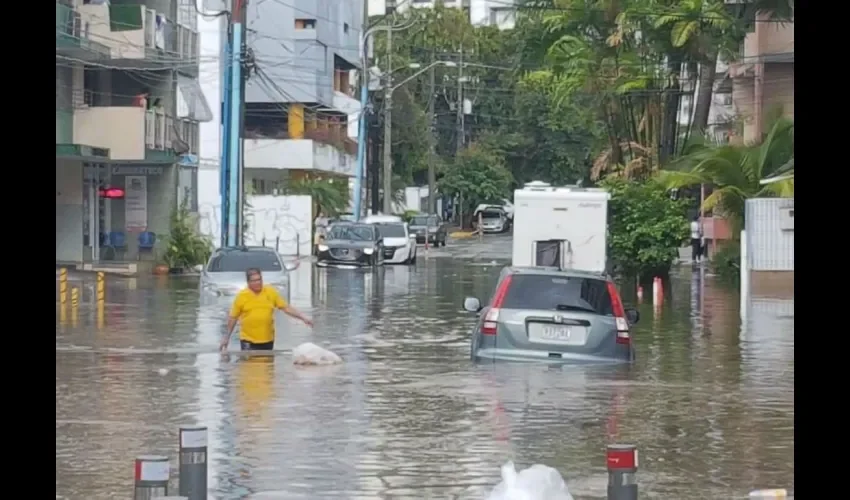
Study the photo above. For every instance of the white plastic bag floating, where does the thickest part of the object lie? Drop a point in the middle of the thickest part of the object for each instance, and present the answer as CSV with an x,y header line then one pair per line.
x,y
311,354
537,482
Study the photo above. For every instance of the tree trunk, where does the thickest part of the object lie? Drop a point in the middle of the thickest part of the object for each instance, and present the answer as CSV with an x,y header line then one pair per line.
x,y
707,72
670,113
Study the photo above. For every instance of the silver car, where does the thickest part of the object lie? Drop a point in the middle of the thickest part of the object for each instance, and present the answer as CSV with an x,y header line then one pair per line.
x,y
224,274
552,315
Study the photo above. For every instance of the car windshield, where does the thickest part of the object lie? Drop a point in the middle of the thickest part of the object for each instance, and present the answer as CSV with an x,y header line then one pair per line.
x,y
236,261
491,215
558,293
351,232
392,230
424,221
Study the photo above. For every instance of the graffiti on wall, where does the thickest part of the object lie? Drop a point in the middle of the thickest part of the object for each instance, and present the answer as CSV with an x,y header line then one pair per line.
x,y
282,222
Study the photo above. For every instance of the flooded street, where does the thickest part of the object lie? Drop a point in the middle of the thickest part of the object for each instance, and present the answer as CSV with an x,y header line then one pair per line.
x,y
710,407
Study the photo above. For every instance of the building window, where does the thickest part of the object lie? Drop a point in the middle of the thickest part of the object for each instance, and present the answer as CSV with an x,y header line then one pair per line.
x,y
345,28
305,24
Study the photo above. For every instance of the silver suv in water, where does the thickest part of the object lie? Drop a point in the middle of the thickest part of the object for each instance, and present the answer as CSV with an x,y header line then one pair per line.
x,y
552,315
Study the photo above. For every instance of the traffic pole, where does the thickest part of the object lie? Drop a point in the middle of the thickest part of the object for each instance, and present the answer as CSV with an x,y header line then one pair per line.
x,y
622,461
151,480
193,462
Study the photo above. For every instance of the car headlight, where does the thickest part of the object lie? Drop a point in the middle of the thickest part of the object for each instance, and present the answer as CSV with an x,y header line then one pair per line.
x,y
432,229
368,251
323,248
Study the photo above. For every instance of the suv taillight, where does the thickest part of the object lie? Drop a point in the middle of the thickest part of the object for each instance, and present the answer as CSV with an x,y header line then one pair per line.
x,y
623,335
491,318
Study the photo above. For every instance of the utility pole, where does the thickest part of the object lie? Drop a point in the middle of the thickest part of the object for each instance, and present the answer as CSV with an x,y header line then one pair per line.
x,y
460,116
363,128
233,104
388,128
432,173
460,125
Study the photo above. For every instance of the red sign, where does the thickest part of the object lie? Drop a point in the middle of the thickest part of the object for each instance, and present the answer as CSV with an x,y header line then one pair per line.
x,y
111,192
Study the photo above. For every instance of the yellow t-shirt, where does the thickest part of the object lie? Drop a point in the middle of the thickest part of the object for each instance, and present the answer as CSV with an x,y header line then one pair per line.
x,y
255,312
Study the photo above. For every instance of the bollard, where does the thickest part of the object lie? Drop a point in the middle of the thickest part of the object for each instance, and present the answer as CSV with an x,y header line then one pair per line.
x,y
75,303
480,227
63,286
151,480
427,232
101,299
193,462
779,494
744,269
622,460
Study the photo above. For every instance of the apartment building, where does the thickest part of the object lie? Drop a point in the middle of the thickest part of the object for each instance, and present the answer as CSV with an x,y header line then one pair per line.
x,y
301,113
763,77
499,13
128,106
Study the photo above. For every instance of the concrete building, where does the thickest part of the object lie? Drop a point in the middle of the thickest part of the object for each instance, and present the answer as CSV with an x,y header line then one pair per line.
x,y
301,118
107,135
763,78
481,12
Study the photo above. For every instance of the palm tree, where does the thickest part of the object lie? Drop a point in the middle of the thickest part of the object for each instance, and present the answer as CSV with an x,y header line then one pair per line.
x,y
327,196
737,172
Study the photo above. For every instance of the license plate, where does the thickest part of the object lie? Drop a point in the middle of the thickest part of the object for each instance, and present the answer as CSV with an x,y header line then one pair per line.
x,y
557,334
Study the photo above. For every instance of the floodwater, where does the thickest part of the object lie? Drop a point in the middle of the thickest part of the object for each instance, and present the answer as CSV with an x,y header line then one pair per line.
x,y
709,404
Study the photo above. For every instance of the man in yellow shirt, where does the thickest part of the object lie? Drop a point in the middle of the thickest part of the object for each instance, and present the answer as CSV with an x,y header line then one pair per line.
x,y
254,308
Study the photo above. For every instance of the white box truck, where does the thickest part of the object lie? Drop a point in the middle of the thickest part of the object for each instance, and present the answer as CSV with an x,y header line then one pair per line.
x,y
564,227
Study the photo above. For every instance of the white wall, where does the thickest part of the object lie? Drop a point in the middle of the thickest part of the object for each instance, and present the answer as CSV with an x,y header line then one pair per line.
x,y
286,217
69,211
770,247
210,132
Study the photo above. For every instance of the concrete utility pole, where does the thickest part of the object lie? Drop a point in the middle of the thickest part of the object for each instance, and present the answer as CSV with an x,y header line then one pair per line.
x,y
460,116
388,127
432,171
363,129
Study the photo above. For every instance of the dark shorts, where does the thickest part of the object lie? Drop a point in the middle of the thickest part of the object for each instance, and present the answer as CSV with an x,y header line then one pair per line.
x,y
251,346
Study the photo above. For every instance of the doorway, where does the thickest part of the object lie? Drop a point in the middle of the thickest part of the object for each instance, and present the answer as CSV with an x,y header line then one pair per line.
x,y
96,223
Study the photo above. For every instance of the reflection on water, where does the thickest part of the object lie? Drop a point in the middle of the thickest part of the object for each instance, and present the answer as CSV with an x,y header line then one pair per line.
x,y
710,404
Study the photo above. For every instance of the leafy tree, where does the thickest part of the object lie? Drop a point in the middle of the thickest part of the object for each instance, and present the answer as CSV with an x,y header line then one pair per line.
x,y
646,227
736,172
477,176
328,197
185,247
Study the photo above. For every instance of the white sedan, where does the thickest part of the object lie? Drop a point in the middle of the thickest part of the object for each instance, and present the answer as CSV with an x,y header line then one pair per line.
x,y
399,244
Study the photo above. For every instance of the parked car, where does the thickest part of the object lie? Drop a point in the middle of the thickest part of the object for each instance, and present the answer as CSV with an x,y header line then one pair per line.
x,y
430,228
504,205
552,315
224,274
352,244
494,220
399,244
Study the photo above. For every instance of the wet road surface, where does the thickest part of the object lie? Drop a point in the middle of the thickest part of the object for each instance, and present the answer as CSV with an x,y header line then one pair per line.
x,y
709,404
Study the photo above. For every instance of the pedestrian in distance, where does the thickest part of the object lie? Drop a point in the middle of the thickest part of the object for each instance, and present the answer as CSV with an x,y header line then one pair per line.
x,y
253,309
696,239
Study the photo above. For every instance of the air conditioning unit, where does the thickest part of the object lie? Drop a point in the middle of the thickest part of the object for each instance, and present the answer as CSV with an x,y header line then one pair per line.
x,y
786,218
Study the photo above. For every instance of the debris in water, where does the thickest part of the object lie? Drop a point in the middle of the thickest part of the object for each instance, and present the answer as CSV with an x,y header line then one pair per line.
x,y
311,354
538,482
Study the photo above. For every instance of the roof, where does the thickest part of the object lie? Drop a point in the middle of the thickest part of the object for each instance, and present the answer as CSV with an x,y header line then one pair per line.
x,y
244,248
554,270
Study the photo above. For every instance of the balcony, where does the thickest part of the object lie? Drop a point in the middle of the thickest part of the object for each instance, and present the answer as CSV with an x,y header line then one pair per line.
x,y
134,35
298,154
132,133
72,40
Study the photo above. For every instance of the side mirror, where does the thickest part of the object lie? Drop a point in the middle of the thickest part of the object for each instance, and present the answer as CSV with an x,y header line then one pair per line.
x,y
632,316
471,304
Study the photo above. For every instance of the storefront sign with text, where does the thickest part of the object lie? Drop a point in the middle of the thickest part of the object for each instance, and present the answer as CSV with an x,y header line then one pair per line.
x,y
132,170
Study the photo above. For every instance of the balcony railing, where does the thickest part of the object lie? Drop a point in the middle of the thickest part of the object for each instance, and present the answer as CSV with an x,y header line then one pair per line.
x,y
170,37
72,32
164,132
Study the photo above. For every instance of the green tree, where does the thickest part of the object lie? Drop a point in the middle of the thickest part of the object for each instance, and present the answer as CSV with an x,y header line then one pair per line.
x,y
185,247
478,175
736,172
328,197
646,228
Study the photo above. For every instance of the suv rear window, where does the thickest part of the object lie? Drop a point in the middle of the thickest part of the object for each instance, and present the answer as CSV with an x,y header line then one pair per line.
x,y
558,293
235,261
